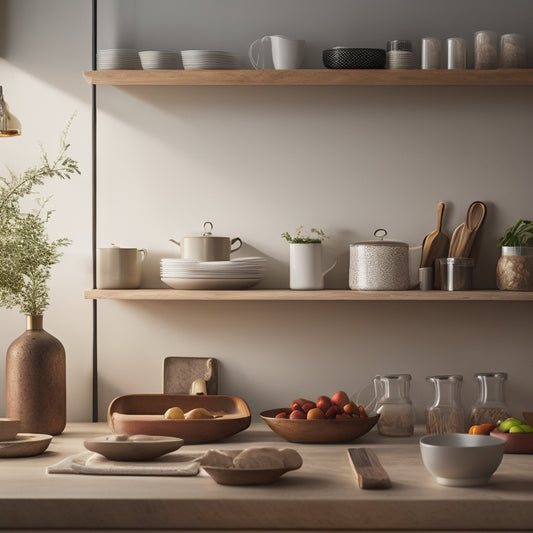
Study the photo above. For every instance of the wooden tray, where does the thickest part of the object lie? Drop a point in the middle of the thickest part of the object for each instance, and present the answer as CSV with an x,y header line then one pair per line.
x,y
142,414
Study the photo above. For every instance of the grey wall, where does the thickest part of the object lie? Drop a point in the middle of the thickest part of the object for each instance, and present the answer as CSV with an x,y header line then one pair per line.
x,y
258,161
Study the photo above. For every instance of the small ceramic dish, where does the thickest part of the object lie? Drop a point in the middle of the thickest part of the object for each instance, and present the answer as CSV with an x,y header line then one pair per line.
x,y
9,427
25,445
133,447
515,442
460,459
318,431
245,476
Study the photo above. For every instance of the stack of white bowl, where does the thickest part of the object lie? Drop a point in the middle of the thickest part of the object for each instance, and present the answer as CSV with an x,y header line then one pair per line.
x,y
239,273
118,59
209,59
159,60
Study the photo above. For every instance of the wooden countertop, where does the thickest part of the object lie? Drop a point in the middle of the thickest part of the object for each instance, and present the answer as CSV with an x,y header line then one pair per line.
x,y
322,495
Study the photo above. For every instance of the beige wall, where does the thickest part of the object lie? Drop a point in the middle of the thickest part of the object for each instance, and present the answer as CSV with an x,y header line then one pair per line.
x,y
258,161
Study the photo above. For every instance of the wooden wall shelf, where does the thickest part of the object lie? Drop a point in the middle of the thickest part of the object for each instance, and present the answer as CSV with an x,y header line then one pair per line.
x,y
467,77
323,295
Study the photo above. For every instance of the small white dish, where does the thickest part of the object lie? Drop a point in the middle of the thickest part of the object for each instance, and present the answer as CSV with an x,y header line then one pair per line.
x,y
133,447
460,459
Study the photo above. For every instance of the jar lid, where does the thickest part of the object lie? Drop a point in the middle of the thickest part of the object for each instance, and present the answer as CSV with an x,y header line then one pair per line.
x,y
380,234
399,45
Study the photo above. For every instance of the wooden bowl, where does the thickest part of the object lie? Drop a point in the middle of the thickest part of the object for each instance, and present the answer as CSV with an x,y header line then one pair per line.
x,y
141,448
245,476
142,414
515,442
318,431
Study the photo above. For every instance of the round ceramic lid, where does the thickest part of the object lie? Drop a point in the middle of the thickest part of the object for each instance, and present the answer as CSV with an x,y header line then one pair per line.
x,y
380,234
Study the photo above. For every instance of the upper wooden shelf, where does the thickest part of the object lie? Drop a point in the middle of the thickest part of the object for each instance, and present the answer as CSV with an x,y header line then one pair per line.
x,y
292,295
372,77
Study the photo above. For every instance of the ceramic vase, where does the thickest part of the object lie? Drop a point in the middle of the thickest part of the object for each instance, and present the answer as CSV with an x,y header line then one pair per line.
x,y
307,267
36,380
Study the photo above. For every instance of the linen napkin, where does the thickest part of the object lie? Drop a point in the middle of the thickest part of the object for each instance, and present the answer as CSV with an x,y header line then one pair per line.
x,y
94,463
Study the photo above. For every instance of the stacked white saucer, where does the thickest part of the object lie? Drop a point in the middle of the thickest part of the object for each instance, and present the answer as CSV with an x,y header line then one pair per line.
x,y
209,59
159,59
118,59
239,273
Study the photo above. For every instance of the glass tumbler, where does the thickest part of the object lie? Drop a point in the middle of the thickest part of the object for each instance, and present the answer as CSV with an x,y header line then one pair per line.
x,y
431,53
490,406
512,51
446,413
456,53
485,50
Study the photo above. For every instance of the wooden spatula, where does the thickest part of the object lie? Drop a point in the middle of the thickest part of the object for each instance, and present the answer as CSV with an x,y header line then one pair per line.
x,y
367,469
464,236
436,243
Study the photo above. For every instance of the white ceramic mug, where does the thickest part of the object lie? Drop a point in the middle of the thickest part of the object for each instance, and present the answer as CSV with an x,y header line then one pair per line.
x,y
307,270
286,53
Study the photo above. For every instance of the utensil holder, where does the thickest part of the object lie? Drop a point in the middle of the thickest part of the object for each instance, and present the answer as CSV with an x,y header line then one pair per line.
x,y
456,273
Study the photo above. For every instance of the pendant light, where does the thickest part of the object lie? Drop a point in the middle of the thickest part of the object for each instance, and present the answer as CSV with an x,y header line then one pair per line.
x,y
9,125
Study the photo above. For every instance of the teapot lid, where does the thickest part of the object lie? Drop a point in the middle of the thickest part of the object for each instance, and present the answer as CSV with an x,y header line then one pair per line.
x,y
380,234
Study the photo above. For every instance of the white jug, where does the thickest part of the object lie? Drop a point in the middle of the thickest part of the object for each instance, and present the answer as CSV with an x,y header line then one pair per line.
x,y
307,268
286,53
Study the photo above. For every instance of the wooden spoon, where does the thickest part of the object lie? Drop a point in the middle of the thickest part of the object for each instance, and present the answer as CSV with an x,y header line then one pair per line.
x,y
465,234
436,243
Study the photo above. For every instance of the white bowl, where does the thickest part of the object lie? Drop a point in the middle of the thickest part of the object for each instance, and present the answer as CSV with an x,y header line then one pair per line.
x,y
461,460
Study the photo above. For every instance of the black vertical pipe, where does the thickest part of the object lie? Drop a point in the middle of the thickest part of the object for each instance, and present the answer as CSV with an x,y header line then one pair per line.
x,y
94,220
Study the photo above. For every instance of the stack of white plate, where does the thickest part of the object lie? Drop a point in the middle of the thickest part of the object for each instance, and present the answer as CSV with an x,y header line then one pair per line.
x,y
118,59
209,59
238,273
159,59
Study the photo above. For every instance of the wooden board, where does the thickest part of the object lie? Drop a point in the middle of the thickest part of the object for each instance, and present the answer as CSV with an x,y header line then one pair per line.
x,y
368,470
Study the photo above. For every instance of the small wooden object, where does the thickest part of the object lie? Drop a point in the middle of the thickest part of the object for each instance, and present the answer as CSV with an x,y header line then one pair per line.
x,y
435,245
368,470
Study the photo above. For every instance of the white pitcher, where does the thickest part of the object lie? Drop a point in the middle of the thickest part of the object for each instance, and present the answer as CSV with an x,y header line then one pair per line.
x,y
286,53
307,268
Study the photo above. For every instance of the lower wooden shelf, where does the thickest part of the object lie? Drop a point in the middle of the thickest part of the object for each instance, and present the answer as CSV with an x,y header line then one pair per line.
x,y
292,295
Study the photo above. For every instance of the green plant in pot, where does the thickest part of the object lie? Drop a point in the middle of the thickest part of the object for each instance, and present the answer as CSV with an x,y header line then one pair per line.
x,y
308,264
35,361
514,270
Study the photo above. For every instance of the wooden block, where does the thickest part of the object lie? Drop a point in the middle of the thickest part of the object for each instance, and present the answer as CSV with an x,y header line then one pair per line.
x,y
368,470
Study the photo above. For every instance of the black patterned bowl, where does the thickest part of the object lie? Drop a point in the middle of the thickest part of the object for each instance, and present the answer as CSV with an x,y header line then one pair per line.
x,y
340,57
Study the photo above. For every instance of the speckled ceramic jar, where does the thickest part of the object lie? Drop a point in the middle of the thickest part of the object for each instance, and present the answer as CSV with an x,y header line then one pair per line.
x,y
379,266
36,380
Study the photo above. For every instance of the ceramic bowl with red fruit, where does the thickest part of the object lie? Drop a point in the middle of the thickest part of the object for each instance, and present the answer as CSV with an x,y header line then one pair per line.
x,y
327,420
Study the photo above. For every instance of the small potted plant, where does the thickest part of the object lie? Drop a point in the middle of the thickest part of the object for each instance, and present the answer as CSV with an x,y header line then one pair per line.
x,y
306,259
514,270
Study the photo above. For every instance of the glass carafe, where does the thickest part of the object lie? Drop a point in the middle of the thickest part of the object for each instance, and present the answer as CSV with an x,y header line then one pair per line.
x,y
394,405
490,406
446,413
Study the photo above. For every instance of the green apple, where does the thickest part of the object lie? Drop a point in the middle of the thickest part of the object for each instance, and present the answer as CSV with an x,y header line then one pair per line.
x,y
516,429
508,423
